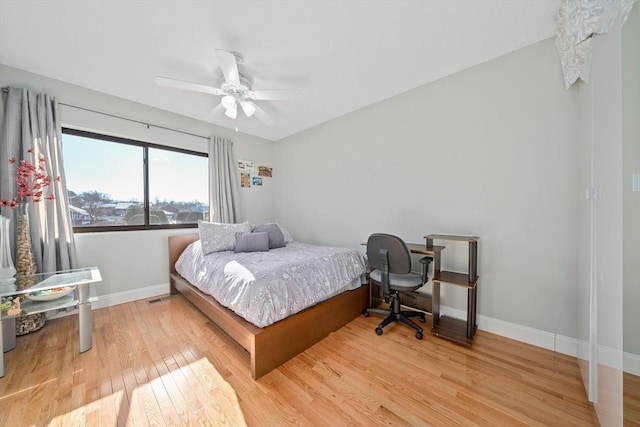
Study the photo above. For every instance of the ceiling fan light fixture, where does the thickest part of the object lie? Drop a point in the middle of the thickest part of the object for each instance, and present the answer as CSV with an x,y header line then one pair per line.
x,y
228,102
231,112
248,108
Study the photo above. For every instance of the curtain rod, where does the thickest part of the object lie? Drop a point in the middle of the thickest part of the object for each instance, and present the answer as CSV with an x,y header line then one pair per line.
x,y
148,125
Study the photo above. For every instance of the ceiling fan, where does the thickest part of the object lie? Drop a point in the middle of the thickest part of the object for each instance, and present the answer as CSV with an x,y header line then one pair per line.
x,y
235,89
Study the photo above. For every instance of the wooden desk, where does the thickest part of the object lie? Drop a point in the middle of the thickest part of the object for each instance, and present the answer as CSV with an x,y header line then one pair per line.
x,y
421,248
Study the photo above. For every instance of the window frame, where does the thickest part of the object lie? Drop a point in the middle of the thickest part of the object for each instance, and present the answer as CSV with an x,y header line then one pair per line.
x,y
145,172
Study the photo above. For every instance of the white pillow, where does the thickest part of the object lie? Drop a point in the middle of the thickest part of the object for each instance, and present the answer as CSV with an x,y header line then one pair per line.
x,y
217,237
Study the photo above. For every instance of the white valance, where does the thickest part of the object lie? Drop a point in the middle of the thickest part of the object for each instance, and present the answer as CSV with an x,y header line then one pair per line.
x,y
578,22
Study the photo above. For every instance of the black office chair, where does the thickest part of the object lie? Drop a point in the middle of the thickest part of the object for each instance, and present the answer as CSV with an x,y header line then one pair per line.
x,y
390,259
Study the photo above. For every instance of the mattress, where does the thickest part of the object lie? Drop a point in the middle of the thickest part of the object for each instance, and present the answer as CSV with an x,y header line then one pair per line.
x,y
264,287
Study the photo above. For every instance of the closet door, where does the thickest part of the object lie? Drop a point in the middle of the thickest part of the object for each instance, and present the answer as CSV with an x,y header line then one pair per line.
x,y
605,228
631,205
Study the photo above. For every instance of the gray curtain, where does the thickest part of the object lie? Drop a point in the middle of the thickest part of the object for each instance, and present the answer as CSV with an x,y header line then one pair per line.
x,y
32,121
223,181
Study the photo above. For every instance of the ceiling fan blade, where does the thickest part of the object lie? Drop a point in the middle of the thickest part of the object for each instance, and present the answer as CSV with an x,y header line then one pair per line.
x,y
229,66
263,116
274,95
179,84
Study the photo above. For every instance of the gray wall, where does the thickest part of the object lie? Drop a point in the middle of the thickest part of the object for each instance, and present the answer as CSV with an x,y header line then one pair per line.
x,y
490,151
130,261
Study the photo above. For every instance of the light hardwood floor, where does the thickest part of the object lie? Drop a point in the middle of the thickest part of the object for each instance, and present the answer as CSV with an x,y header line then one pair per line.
x,y
151,364
631,402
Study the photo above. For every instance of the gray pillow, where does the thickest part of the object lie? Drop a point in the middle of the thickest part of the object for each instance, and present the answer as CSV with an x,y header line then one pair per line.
x,y
276,238
252,242
216,237
287,236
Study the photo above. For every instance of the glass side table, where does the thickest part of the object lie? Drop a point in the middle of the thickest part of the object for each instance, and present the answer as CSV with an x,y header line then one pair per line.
x,y
45,292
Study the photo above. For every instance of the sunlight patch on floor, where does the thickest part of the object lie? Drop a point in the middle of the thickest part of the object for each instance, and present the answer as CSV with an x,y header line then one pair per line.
x,y
150,403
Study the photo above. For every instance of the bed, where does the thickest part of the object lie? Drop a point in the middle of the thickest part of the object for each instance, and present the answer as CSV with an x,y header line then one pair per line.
x,y
271,345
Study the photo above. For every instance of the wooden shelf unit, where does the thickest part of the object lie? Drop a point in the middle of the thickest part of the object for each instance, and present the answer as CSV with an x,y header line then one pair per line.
x,y
447,327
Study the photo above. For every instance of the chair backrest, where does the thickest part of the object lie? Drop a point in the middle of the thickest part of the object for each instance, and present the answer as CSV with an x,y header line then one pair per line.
x,y
399,255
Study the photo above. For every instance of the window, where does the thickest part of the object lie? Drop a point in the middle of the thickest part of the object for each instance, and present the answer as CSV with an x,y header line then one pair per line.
x,y
121,184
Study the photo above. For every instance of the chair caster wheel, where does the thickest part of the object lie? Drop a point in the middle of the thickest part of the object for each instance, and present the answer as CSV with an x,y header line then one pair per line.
x,y
365,314
379,330
423,319
419,335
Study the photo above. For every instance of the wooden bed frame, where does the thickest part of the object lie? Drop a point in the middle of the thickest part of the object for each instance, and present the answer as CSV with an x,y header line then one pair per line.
x,y
273,345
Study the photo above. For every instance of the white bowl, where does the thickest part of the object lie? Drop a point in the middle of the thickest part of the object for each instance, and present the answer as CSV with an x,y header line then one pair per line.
x,y
50,294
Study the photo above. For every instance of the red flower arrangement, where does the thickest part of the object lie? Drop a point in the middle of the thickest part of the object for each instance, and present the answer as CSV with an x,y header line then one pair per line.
x,y
31,181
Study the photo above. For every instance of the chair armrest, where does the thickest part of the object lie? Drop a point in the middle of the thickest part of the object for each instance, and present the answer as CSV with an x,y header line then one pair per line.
x,y
425,261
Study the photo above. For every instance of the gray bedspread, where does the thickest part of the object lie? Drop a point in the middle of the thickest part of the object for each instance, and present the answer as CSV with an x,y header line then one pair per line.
x,y
264,287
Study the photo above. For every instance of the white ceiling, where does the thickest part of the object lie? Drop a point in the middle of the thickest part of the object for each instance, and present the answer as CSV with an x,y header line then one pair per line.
x,y
343,55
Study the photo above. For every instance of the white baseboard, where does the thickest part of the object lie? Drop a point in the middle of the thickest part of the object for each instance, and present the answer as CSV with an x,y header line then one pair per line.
x,y
119,298
132,295
631,363
571,346
551,341
507,329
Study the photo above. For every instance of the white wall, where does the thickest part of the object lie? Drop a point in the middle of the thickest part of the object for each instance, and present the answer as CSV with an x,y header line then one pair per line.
x,y
136,263
490,151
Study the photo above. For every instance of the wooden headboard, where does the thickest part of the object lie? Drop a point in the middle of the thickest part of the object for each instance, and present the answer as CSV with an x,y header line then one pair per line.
x,y
177,245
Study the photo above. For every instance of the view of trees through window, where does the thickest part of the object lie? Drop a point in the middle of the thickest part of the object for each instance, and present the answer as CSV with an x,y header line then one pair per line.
x,y
107,187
